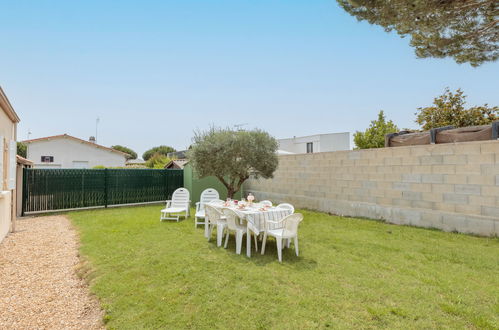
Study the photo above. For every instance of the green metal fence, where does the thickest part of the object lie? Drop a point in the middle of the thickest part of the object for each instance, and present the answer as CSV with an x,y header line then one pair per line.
x,y
58,189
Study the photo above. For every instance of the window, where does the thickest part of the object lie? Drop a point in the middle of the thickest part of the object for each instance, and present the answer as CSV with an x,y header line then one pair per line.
x,y
310,147
47,159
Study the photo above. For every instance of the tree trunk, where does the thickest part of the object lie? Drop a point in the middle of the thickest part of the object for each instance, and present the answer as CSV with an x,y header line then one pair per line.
x,y
231,193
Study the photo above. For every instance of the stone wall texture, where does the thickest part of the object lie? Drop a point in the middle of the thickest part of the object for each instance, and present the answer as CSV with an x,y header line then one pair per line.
x,y
453,187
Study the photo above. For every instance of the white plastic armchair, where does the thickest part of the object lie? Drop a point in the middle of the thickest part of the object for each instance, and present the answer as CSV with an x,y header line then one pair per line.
x,y
266,202
208,195
234,225
287,229
287,206
180,203
215,218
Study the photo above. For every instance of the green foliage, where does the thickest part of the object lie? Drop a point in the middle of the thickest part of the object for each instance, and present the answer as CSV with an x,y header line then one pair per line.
x,y
22,149
351,274
164,150
448,109
232,156
464,30
99,167
374,136
157,160
131,154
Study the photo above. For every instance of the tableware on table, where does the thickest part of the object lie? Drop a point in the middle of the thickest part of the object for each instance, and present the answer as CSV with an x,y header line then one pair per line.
x,y
251,198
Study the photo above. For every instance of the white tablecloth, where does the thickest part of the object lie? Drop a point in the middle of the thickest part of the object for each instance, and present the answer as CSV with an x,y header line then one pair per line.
x,y
254,216
255,219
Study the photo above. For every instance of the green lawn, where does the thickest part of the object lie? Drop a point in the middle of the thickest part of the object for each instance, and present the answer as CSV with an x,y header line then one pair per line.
x,y
350,273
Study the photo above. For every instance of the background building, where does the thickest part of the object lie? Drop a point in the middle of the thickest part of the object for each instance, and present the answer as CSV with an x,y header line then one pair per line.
x,y
316,143
65,151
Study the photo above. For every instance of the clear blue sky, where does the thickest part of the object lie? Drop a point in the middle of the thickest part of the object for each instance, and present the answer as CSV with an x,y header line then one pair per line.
x,y
154,71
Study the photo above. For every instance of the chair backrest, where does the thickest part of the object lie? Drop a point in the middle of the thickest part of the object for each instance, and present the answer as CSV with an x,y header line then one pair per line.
x,y
290,224
287,206
266,202
180,198
208,195
212,214
232,218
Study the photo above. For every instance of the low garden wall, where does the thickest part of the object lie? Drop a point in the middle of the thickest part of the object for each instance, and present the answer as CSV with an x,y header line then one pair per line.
x,y
453,187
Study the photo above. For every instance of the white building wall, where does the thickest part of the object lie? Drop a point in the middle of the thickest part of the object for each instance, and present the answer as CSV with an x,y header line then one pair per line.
x,y
8,132
69,153
321,143
335,142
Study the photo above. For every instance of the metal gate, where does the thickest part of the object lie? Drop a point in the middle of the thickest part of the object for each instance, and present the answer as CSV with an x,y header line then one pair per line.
x,y
59,189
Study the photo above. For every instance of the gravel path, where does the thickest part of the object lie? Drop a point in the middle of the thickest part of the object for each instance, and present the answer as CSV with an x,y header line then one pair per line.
x,y
39,288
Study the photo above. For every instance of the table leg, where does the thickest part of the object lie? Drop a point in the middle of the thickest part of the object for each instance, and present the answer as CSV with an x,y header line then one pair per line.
x,y
248,242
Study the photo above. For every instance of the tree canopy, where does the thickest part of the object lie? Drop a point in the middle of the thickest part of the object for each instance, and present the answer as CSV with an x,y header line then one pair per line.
x,y
466,30
22,149
232,156
449,109
132,154
157,160
374,136
164,150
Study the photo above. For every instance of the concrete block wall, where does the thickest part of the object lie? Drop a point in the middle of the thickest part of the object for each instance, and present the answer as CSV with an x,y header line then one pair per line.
x,y
453,187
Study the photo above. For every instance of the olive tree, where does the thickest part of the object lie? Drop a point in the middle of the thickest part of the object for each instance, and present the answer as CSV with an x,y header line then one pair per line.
x,y
233,156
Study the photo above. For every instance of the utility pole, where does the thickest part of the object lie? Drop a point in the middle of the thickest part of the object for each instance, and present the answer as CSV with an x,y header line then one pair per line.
x,y
96,128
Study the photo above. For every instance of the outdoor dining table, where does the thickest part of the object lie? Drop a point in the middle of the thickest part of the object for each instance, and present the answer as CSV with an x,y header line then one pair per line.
x,y
254,216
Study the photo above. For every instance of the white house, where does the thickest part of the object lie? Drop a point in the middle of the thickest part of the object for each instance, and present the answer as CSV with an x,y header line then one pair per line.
x,y
8,150
66,151
316,143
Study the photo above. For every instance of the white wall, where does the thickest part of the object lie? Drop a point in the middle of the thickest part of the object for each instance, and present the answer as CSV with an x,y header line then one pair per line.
x,y
5,213
321,143
8,132
335,142
69,153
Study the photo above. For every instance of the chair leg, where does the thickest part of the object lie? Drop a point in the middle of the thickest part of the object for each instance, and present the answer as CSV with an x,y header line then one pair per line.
x,y
220,235
239,241
279,248
264,241
256,243
208,232
206,229
227,239
296,245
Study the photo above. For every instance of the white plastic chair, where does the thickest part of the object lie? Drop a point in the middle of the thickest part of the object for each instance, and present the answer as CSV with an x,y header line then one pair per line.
x,y
266,202
234,225
287,207
180,203
215,218
208,195
288,230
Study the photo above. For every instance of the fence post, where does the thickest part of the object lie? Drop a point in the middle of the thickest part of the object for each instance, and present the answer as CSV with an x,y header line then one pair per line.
x,y
24,192
165,174
105,188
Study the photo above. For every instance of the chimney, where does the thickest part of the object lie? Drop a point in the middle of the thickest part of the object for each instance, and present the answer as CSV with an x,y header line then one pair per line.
x,y
92,139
